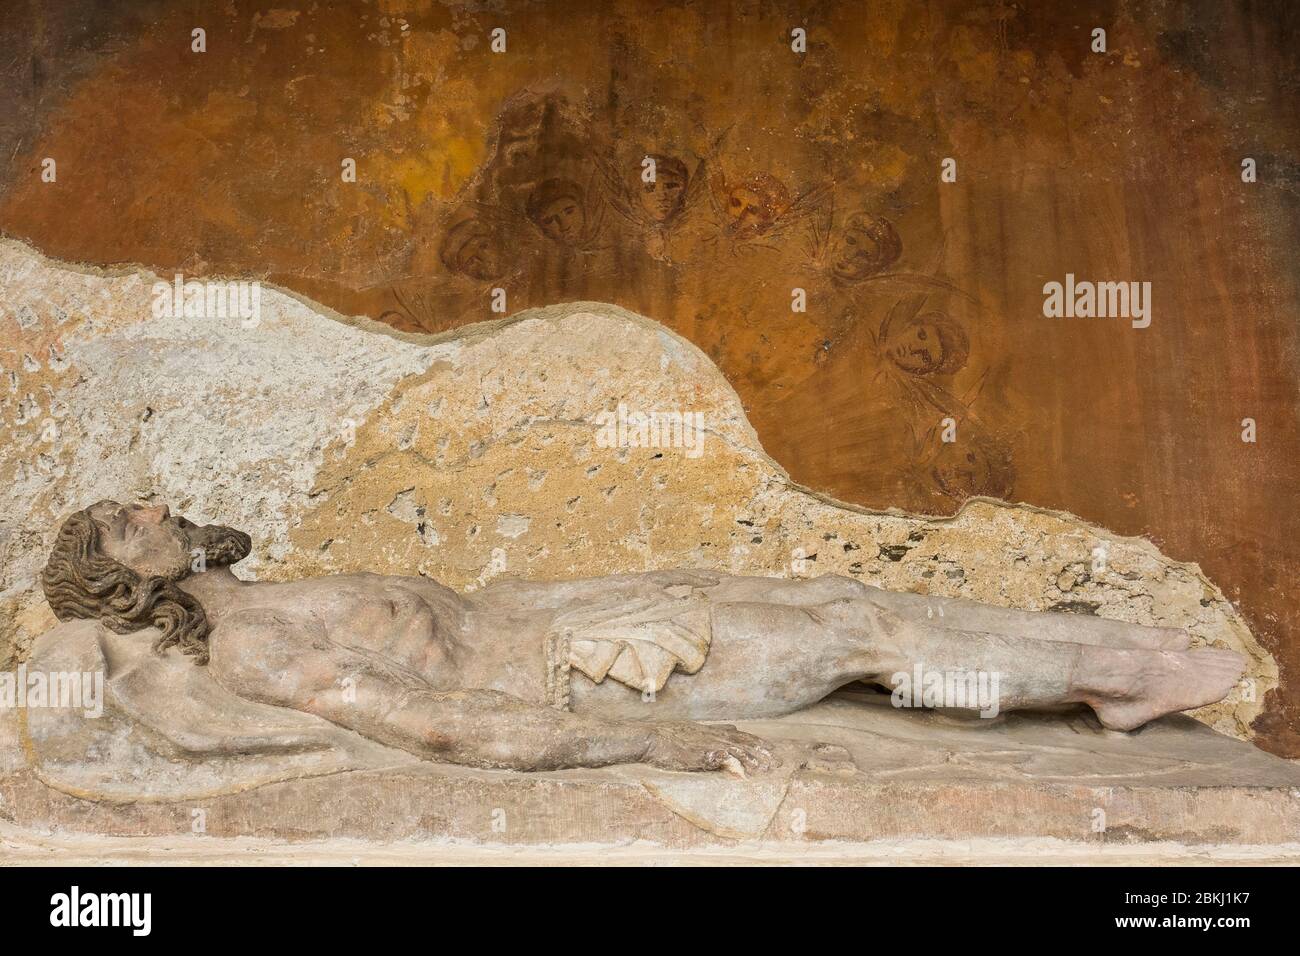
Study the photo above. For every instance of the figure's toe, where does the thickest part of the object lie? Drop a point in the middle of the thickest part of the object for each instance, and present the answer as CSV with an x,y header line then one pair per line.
x,y
1216,673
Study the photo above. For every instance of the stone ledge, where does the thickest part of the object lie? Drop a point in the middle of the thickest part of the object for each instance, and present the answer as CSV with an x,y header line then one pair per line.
x,y
23,848
855,770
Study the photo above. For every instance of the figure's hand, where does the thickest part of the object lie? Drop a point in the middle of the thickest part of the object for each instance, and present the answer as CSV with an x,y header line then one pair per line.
x,y
689,746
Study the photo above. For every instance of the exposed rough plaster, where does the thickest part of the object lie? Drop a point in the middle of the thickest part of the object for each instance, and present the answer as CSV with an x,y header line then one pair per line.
x,y
474,454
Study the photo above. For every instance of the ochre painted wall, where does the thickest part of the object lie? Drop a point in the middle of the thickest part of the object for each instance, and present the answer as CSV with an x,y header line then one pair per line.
x,y
776,170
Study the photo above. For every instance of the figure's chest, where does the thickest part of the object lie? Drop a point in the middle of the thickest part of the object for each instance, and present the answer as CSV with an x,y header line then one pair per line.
x,y
408,630
369,614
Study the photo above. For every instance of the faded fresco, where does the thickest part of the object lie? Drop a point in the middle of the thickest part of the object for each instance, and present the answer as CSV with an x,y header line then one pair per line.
x,y
857,233
564,208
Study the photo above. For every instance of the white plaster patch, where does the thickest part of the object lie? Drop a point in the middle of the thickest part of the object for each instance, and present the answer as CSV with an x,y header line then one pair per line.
x,y
512,526
223,422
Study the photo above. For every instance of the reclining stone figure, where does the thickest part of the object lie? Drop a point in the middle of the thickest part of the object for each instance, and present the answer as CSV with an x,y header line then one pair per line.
x,y
528,675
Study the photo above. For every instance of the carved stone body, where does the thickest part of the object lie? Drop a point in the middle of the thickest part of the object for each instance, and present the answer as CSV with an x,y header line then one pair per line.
x,y
541,675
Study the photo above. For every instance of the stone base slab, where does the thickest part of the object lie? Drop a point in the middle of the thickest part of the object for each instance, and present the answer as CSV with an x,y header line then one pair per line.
x,y
854,770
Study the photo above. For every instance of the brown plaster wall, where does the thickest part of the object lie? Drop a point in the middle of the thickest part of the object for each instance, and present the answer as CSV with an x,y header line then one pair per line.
x,y
519,171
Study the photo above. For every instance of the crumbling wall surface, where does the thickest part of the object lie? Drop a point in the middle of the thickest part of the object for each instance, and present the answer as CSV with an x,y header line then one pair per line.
x,y
506,448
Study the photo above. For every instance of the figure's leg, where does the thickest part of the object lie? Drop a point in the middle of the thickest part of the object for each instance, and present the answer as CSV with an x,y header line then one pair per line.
x,y
965,615
768,659
1126,687
958,613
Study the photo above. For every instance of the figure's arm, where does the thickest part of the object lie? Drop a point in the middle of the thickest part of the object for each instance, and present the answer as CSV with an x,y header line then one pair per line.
x,y
486,728
268,659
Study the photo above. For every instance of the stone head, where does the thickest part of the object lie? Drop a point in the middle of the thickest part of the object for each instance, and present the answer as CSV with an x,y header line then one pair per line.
x,y
121,564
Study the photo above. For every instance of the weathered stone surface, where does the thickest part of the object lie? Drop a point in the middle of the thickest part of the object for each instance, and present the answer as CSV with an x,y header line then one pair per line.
x,y
472,456
96,392
896,775
24,848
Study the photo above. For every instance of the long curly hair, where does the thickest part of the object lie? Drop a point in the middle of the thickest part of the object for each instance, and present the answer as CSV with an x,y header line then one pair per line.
x,y
81,581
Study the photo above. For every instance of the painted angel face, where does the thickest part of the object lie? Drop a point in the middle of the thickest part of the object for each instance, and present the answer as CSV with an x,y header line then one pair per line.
x,y
562,220
478,258
754,204
866,246
663,198
520,139
557,208
748,211
916,346
471,250
966,470
931,343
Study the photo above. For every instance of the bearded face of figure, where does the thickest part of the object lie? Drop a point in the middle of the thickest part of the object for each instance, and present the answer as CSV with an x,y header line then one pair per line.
x,y
662,199
154,543
867,246
121,564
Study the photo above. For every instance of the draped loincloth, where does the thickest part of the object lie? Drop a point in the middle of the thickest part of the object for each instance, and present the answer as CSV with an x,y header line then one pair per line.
x,y
637,642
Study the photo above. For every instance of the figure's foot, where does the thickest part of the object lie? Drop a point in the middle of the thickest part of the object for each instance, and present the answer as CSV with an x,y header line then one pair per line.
x,y
1128,688
688,746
